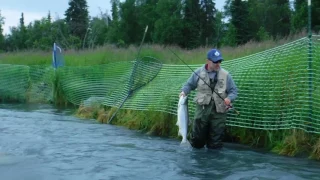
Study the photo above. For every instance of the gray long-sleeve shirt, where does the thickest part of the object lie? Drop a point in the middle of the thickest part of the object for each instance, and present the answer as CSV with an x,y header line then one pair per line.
x,y
192,83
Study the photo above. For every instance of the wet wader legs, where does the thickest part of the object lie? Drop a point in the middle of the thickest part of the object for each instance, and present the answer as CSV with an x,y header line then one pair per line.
x,y
200,126
208,127
217,123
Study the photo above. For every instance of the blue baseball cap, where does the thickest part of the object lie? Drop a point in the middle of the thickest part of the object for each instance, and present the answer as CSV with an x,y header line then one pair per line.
x,y
214,55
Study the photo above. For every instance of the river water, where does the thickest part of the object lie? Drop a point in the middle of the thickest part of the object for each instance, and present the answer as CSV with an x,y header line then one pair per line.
x,y
40,142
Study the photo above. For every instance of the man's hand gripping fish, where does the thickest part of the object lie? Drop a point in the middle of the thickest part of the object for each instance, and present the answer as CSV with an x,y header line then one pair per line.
x,y
183,120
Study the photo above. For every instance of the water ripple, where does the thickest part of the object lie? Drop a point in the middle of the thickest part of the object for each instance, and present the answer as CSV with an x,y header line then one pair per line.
x,y
41,142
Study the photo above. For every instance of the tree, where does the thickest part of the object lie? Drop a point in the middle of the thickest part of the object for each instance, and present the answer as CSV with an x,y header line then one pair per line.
x,y
239,19
99,30
238,13
77,18
22,34
168,27
208,21
300,15
115,10
130,30
256,19
315,13
60,33
113,32
277,19
146,10
230,38
220,29
16,40
299,18
262,34
2,40
40,34
187,23
12,40
191,23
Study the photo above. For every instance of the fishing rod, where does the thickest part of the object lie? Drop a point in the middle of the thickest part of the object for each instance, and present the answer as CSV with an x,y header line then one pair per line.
x,y
229,106
133,71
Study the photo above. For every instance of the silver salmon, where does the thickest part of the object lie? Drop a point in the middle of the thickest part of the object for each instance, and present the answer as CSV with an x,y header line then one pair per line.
x,y
183,119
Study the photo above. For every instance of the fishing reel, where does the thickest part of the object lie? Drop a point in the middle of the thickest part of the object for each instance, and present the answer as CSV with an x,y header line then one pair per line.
x,y
231,108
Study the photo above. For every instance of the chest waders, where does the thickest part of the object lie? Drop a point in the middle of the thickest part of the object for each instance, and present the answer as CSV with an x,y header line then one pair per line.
x,y
208,125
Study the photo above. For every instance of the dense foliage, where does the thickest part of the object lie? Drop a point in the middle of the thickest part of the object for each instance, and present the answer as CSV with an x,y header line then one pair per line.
x,y
188,24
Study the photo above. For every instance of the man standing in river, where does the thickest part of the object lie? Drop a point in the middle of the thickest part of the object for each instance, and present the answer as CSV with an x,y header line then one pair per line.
x,y
215,92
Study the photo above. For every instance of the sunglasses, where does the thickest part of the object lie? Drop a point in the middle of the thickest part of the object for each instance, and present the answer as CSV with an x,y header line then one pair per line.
x,y
219,61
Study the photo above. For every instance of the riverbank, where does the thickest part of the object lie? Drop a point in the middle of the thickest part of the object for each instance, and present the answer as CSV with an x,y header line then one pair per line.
x,y
293,142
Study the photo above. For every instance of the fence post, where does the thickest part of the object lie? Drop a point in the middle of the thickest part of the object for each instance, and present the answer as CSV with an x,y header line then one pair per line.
x,y
310,61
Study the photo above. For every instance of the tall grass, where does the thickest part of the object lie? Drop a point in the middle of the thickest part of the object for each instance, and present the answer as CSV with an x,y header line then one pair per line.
x,y
110,53
150,122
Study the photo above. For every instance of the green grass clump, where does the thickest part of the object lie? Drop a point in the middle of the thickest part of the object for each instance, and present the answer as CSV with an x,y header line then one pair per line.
x,y
151,122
